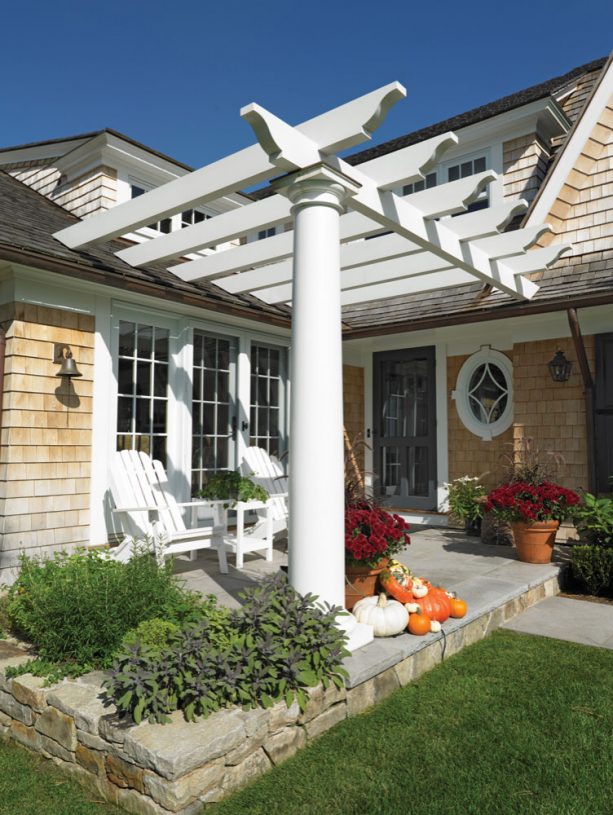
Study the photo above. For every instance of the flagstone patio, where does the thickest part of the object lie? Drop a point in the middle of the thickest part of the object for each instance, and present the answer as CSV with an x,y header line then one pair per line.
x,y
493,582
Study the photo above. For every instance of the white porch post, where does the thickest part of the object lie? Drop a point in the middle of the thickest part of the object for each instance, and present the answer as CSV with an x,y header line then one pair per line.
x,y
316,518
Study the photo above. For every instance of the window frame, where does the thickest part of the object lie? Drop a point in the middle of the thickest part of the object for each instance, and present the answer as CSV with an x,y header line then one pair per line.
x,y
486,431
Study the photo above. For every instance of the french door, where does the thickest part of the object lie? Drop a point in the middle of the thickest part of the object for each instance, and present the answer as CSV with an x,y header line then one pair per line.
x,y
404,443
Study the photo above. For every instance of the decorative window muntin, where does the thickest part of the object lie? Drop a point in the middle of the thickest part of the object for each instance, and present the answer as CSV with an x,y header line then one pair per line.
x,y
484,393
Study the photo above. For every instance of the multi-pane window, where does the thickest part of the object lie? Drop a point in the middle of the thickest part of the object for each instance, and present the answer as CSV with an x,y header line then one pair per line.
x,y
465,169
213,409
423,184
165,225
142,384
193,216
266,398
267,233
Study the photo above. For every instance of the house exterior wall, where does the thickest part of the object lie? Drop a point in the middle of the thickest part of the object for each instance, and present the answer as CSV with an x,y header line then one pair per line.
x,y
552,413
45,444
88,194
353,412
525,161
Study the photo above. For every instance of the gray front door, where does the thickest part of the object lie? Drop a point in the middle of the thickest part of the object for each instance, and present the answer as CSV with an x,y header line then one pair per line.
x,y
404,442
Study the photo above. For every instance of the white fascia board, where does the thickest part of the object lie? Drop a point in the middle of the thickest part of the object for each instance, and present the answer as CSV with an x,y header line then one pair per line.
x,y
43,151
573,147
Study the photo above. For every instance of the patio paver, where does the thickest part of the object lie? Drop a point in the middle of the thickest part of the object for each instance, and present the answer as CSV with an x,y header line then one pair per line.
x,y
563,618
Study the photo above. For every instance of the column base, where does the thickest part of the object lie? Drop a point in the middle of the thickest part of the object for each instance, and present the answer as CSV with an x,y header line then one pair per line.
x,y
358,634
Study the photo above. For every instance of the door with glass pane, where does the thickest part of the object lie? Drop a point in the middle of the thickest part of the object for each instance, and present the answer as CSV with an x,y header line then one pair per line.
x,y
267,401
405,428
214,407
142,385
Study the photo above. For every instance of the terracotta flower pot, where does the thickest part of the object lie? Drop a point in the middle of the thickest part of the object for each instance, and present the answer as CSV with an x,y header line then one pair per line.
x,y
534,541
361,581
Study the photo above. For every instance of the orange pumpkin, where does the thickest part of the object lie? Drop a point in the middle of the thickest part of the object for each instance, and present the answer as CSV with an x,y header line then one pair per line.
x,y
399,591
436,604
458,607
419,624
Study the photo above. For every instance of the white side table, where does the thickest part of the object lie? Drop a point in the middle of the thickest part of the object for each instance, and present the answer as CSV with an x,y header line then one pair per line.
x,y
256,538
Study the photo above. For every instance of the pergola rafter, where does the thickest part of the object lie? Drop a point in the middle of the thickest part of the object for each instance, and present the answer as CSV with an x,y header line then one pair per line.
x,y
325,262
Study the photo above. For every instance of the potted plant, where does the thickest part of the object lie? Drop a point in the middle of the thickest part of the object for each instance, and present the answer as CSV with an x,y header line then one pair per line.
x,y
233,487
372,537
534,512
464,502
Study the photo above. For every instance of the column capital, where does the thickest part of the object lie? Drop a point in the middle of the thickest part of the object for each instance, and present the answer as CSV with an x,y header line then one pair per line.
x,y
318,185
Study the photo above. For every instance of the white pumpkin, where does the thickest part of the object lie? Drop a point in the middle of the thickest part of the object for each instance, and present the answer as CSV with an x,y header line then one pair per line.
x,y
435,627
387,617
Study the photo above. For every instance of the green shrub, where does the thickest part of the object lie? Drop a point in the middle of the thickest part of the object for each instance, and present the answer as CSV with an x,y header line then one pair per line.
x,y
277,645
75,609
593,565
234,487
594,518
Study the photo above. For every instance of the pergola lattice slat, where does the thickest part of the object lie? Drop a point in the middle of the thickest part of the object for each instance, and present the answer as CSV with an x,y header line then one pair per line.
x,y
332,202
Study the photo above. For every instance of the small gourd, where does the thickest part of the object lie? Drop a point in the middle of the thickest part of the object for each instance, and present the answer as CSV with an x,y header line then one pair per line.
x,y
387,617
420,589
435,627
396,580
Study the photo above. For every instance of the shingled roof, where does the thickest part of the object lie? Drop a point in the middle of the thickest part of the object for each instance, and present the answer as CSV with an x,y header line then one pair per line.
x,y
26,236
480,114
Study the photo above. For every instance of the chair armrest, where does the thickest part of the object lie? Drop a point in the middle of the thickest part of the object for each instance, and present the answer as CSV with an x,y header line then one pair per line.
x,y
247,505
138,509
278,495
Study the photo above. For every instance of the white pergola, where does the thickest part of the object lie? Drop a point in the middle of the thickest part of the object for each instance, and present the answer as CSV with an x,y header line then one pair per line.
x,y
325,263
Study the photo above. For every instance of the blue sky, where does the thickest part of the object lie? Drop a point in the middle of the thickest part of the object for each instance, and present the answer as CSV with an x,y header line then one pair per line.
x,y
175,75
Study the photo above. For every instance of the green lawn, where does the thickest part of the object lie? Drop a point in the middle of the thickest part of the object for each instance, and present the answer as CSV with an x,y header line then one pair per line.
x,y
514,724
33,786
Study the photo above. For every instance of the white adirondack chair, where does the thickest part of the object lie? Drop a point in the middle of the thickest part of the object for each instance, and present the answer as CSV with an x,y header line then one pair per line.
x,y
141,494
267,471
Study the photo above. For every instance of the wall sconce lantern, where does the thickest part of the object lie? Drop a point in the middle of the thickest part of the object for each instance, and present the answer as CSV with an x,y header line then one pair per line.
x,y
559,367
68,367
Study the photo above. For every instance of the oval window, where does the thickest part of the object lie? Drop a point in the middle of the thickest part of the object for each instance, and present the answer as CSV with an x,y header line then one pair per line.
x,y
484,393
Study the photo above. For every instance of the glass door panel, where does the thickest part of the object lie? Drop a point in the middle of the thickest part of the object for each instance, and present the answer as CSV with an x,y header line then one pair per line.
x,y
405,428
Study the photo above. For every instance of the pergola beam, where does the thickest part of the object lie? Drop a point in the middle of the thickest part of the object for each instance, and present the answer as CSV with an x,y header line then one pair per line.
x,y
347,125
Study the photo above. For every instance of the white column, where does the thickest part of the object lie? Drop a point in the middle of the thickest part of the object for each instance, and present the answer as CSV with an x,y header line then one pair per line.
x,y
316,517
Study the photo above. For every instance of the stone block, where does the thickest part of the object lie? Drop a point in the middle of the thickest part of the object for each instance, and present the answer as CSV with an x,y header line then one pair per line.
x,y
124,774
361,697
426,659
495,620
138,804
59,727
30,690
326,720
476,630
404,672
50,747
179,747
284,744
114,729
93,742
385,684
25,735
14,709
253,766
320,700
82,703
281,716
92,760
11,656
174,795
5,721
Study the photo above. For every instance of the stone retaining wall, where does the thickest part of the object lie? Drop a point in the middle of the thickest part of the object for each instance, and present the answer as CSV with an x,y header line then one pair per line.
x,y
178,767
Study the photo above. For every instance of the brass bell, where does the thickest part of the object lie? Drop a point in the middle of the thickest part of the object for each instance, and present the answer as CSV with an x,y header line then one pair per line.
x,y
68,367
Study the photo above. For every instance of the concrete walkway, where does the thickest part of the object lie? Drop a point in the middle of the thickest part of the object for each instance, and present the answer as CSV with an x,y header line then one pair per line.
x,y
563,618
